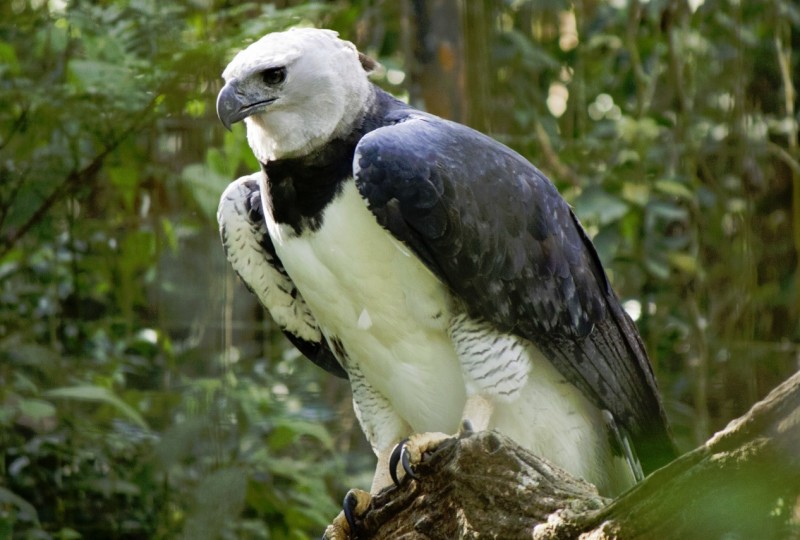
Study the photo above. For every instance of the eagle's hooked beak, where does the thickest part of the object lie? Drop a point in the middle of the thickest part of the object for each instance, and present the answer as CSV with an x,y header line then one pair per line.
x,y
233,106
229,106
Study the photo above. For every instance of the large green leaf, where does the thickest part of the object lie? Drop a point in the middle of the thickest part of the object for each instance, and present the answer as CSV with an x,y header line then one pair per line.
x,y
97,394
205,186
26,510
598,206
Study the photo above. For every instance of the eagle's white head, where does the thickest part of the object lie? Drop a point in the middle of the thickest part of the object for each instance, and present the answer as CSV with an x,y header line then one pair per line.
x,y
295,90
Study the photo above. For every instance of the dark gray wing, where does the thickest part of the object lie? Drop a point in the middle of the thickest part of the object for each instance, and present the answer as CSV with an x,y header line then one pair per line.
x,y
497,232
249,249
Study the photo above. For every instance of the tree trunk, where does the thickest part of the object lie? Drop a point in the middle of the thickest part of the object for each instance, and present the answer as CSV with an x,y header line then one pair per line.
x,y
437,73
743,483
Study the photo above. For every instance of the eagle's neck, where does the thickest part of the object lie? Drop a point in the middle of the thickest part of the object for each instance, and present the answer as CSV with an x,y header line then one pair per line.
x,y
300,188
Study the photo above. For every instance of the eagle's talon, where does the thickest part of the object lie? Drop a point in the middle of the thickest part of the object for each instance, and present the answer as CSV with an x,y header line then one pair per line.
x,y
400,456
355,503
405,460
394,459
466,428
411,450
348,507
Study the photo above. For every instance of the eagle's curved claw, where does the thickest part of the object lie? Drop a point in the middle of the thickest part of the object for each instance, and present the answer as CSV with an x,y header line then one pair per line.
x,y
343,527
409,452
404,459
349,507
394,459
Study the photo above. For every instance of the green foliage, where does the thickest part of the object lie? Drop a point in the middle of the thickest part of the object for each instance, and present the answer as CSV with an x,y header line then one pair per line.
x,y
123,412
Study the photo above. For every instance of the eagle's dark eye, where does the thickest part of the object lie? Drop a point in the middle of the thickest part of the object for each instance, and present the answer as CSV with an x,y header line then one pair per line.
x,y
273,76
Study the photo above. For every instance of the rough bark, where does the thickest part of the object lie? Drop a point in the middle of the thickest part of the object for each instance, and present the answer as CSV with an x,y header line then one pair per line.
x,y
437,72
743,483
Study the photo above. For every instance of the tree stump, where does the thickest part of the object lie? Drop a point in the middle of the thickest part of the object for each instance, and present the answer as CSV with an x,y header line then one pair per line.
x,y
744,483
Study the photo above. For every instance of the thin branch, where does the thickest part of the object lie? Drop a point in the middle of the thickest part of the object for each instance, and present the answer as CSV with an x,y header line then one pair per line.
x,y
675,65
783,50
783,155
6,204
561,170
15,127
74,178
639,75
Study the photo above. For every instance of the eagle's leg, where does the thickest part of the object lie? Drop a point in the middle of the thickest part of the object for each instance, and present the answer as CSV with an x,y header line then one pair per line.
x,y
408,452
383,427
356,501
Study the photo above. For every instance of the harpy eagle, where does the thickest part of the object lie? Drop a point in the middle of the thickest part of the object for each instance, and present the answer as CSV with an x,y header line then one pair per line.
x,y
435,268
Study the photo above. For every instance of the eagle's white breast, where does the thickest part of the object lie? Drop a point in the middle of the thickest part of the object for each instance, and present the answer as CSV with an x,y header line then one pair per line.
x,y
388,310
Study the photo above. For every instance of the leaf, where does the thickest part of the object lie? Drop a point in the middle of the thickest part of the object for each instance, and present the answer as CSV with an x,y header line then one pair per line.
x,y
179,441
206,186
27,511
36,409
109,486
170,234
100,395
22,383
137,250
658,268
126,180
31,354
665,211
315,505
238,151
35,414
99,77
675,188
638,131
287,430
219,163
683,262
8,60
636,193
596,205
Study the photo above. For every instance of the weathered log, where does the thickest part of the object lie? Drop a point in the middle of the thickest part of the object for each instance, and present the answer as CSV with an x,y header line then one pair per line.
x,y
743,483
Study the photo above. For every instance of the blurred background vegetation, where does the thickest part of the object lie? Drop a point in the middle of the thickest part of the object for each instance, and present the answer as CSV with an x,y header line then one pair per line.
x,y
144,394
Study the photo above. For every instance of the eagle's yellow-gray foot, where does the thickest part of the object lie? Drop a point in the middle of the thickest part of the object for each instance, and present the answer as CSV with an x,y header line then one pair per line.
x,y
343,526
411,450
